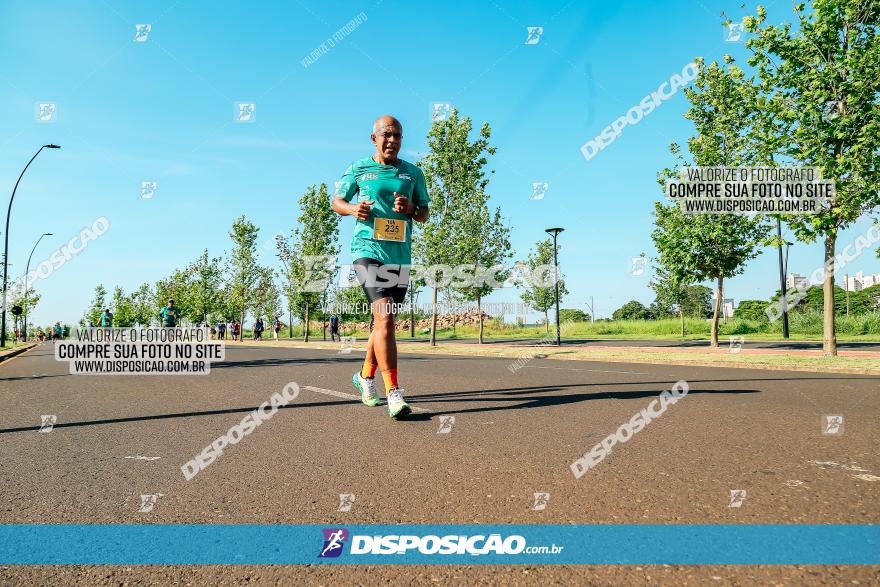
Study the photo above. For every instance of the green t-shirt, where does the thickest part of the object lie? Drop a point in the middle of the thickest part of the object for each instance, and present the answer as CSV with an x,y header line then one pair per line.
x,y
367,180
169,316
107,320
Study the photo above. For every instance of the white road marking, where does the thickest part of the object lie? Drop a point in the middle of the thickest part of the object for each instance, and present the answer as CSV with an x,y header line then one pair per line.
x,y
867,477
594,370
343,395
833,465
143,458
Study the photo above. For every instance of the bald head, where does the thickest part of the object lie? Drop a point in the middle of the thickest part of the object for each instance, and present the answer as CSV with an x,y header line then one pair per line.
x,y
387,135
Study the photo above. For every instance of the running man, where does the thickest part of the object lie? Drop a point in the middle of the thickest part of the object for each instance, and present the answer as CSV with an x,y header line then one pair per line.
x,y
384,194
107,319
169,315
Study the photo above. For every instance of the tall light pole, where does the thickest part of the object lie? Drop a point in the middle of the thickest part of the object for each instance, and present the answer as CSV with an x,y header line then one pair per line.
x,y
782,277
6,244
554,232
26,284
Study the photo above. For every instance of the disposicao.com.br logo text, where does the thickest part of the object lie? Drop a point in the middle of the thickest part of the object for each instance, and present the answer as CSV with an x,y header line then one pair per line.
x,y
335,538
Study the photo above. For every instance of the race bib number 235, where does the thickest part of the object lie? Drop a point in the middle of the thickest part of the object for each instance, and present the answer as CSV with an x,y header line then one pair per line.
x,y
389,229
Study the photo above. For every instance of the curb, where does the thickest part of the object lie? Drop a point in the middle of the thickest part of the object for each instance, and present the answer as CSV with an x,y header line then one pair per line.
x,y
16,352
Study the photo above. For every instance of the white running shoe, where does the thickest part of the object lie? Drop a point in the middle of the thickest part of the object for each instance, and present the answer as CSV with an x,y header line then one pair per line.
x,y
367,389
396,406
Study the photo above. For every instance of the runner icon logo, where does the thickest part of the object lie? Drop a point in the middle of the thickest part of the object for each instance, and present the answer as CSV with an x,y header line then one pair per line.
x,y
541,500
737,497
533,35
148,502
347,344
346,500
446,424
47,422
832,425
334,541
539,188
733,32
142,32
736,344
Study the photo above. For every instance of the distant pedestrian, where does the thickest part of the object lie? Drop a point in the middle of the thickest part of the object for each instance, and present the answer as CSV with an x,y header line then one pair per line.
x,y
236,330
276,327
258,329
221,330
334,327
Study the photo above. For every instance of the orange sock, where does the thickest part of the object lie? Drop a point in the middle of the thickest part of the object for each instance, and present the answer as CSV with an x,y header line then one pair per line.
x,y
390,377
369,370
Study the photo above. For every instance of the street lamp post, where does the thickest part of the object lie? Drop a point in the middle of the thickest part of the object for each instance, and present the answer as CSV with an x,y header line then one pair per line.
x,y
26,284
6,243
782,278
554,232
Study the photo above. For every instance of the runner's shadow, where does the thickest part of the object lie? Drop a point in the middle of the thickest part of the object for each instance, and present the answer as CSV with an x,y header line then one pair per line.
x,y
177,415
559,400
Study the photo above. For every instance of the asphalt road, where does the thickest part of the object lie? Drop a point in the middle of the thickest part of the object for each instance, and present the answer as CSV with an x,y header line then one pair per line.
x,y
514,434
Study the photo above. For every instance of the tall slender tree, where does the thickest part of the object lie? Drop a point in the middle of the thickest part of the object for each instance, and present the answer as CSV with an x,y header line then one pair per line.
x,y
717,246
537,293
242,270
825,72
456,178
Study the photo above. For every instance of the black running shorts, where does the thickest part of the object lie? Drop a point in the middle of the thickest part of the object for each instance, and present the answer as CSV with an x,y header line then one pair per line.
x,y
380,286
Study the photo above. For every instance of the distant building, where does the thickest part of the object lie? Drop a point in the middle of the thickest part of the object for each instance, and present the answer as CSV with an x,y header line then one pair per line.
x,y
860,281
795,281
727,308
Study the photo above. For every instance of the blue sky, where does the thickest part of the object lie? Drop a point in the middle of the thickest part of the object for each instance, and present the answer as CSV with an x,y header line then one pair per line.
x,y
162,110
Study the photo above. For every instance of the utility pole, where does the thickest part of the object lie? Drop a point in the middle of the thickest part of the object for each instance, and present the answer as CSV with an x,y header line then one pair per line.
x,y
555,232
782,272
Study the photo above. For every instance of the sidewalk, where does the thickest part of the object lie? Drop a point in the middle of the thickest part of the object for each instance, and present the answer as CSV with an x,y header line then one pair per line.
x,y
7,354
857,362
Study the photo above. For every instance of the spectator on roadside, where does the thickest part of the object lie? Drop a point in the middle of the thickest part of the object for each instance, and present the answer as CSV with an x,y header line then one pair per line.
x,y
276,327
236,329
258,329
221,330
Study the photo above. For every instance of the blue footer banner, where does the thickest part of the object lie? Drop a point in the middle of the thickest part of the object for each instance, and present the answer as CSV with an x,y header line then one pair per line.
x,y
599,544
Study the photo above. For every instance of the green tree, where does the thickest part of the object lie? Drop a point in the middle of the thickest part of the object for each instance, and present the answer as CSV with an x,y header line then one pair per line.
x,y
143,305
488,247
568,315
698,301
267,303
714,247
123,311
456,179
242,270
537,293
825,72
96,307
308,256
205,287
632,310
670,282
752,310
